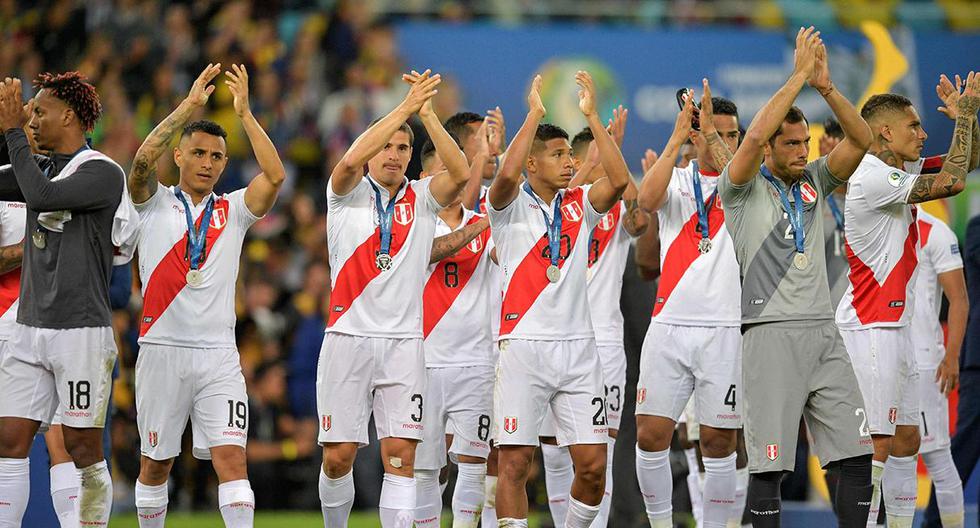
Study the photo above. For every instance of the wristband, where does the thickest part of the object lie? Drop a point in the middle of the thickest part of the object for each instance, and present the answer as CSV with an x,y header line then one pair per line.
x,y
289,449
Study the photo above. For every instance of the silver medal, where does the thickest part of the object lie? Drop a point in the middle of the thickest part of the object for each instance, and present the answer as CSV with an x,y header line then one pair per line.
x,y
554,273
801,261
40,239
383,261
704,245
194,278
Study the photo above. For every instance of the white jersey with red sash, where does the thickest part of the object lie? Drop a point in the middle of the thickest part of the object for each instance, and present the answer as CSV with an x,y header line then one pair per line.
x,y
456,303
13,217
609,246
176,313
533,306
365,301
696,289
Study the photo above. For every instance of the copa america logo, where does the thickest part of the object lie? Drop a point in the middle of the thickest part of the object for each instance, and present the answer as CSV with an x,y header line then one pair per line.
x,y
560,93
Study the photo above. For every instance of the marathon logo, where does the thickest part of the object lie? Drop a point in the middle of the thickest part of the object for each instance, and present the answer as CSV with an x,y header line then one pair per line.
x,y
511,316
338,308
148,319
416,426
896,304
240,434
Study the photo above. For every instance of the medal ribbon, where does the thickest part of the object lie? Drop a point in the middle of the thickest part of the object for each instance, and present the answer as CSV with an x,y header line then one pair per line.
x,y
553,226
197,238
795,215
699,198
385,216
838,215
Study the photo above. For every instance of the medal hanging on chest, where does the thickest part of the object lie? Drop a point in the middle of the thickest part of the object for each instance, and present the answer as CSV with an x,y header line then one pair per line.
x,y
553,231
383,259
40,238
704,245
197,239
794,214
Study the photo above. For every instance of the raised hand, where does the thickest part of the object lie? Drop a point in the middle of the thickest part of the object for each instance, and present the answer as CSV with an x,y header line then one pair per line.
x,y
497,130
423,88
617,125
202,88
534,102
820,78
649,158
805,56
707,111
586,95
12,112
484,144
682,126
969,100
237,82
949,95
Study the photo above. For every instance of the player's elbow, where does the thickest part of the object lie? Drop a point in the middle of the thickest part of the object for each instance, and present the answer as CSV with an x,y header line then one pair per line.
x,y
862,137
958,186
755,138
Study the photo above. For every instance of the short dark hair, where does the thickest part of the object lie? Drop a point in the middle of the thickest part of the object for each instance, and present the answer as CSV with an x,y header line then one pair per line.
x,y
405,127
429,149
832,128
208,127
457,123
722,106
795,115
879,103
547,132
72,88
581,141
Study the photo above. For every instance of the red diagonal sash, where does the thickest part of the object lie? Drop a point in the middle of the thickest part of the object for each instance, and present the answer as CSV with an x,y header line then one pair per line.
x,y
684,251
530,278
169,277
9,290
449,278
601,237
885,302
360,269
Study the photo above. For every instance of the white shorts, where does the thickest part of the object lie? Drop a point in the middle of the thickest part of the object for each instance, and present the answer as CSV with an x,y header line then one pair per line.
x,y
458,401
46,367
563,376
677,361
884,364
933,413
613,359
176,383
358,375
689,421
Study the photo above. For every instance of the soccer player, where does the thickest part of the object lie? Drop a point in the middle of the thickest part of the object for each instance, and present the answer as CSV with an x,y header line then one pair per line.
x,y
940,272
61,350
793,360
547,345
875,311
472,130
459,358
693,342
380,231
189,250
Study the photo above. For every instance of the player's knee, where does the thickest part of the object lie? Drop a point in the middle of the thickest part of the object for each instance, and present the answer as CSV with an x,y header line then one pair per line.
x,y
906,441
229,463
514,465
592,471
717,443
154,472
338,459
653,433
84,451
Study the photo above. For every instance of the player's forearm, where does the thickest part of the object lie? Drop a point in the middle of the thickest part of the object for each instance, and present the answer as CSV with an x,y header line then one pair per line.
x,y
143,175
471,191
265,151
11,257
718,149
951,179
959,311
647,255
610,157
447,245
770,117
635,220
348,169
856,129
449,152
505,185
582,175
975,146
653,187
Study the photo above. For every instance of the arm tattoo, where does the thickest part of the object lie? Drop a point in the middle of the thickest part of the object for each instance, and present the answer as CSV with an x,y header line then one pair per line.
x,y
719,150
447,245
11,257
953,174
975,147
629,220
143,174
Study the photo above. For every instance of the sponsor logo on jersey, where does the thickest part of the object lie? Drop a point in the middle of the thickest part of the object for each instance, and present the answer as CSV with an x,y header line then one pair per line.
x,y
808,193
572,211
218,218
641,395
772,451
404,213
892,415
326,421
153,438
510,424
607,222
954,249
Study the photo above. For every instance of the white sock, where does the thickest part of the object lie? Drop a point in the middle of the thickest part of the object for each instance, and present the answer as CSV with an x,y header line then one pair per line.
x,y
602,519
741,490
397,504
877,470
580,515
656,485
949,488
694,482
488,519
719,490
558,476
468,495
236,501
507,522
899,486
95,495
336,499
151,505
428,499
15,488
64,493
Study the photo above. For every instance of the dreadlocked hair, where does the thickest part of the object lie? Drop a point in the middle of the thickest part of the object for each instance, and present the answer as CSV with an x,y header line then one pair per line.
x,y
72,88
